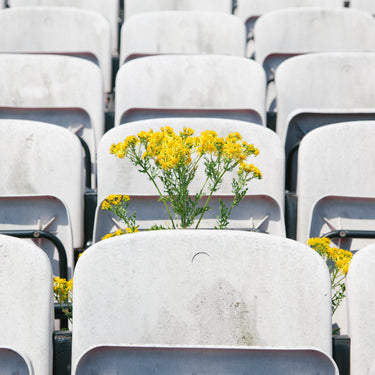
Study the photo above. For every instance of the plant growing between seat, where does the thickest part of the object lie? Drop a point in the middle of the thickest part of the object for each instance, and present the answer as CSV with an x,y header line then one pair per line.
x,y
171,160
338,261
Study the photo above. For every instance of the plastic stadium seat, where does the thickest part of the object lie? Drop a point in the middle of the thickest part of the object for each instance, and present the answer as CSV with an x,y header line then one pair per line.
x,y
318,89
170,360
176,32
262,208
335,185
26,314
190,85
108,8
2,4
250,10
62,90
55,30
42,184
191,288
132,7
13,362
288,32
365,5
360,296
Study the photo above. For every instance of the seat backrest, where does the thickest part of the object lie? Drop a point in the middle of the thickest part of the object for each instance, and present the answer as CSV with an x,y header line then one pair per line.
x,y
109,9
120,176
168,360
43,159
63,90
132,7
365,5
55,30
190,85
337,161
252,9
2,4
176,32
26,314
331,82
293,31
199,288
360,296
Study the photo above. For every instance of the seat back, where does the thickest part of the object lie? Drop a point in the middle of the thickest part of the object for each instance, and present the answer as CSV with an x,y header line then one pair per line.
x,y
26,314
360,295
61,90
288,32
261,209
334,186
176,32
250,10
70,31
109,9
190,86
365,5
42,184
199,288
132,7
102,359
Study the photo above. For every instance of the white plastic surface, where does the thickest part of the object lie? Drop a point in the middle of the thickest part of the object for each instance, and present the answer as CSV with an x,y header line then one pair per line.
x,y
337,83
262,207
360,297
190,85
26,314
365,5
70,31
62,90
41,161
2,4
190,360
132,7
335,184
177,32
288,32
13,362
199,288
108,8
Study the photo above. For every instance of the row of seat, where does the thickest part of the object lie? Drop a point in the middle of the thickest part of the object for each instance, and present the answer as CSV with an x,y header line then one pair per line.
x,y
278,35
43,185
187,299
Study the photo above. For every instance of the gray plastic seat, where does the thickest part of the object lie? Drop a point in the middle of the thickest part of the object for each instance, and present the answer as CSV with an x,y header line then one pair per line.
x,y
26,314
250,10
288,32
62,90
42,184
176,32
318,89
365,5
201,288
70,31
190,86
132,7
169,360
262,208
108,8
335,184
360,296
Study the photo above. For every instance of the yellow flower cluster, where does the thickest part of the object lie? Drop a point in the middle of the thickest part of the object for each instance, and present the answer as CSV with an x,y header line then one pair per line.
x,y
169,149
62,289
114,199
340,257
249,168
119,232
